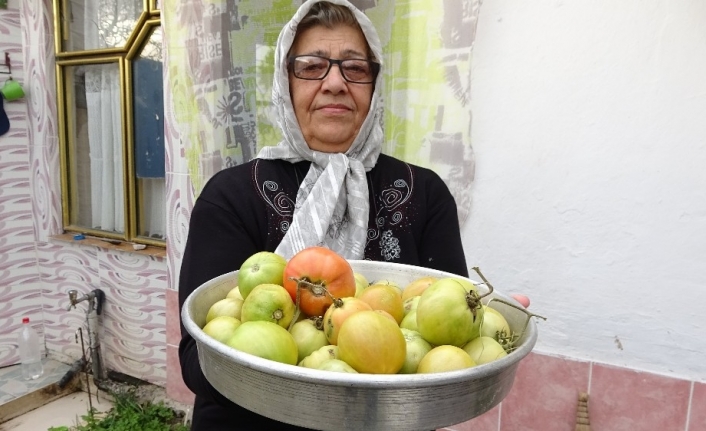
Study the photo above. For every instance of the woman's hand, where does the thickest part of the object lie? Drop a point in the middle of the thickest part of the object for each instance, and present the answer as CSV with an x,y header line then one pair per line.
x,y
522,299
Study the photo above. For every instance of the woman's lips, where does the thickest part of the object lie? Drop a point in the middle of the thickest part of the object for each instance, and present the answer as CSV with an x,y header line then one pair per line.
x,y
335,109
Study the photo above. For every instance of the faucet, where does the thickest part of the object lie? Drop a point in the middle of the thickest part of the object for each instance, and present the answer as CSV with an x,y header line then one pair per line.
x,y
95,299
95,294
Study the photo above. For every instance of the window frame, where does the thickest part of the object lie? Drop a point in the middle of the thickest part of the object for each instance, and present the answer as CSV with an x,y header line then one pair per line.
x,y
149,19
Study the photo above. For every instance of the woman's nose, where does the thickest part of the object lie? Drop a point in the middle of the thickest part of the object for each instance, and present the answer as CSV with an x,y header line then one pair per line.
x,y
334,81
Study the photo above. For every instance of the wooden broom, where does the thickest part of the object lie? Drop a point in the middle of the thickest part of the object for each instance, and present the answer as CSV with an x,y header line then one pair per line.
x,y
582,422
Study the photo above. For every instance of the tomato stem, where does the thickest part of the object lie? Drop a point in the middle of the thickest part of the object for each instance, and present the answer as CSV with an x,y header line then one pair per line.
x,y
316,289
509,341
485,281
318,322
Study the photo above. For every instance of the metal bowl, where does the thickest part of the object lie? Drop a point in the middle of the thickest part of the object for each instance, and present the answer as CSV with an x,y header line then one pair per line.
x,y
341,401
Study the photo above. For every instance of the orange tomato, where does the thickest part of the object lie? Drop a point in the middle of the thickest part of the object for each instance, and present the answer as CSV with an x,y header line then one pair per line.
x,y
319,275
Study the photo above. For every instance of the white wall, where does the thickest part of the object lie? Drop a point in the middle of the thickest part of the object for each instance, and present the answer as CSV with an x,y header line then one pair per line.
x,y
589,127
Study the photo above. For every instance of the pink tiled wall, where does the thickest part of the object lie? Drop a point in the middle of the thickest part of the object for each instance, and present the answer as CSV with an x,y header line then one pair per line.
x,y
545,394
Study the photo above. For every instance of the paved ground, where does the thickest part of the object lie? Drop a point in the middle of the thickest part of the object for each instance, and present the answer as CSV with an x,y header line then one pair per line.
x,y
65,411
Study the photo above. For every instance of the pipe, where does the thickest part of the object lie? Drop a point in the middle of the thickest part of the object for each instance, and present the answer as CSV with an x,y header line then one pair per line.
x,y
76,367
95,300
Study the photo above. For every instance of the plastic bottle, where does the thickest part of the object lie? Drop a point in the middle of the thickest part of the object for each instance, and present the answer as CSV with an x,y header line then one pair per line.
x,y
30,352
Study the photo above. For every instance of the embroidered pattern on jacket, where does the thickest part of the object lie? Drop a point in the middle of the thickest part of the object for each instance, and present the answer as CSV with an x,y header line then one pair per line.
x,y
389,246
273,195
390,214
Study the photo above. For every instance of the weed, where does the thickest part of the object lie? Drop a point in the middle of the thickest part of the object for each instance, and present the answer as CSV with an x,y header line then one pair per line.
x,y
129,414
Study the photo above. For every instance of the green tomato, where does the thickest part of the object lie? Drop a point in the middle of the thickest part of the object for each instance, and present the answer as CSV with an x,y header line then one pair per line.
x,y
261,268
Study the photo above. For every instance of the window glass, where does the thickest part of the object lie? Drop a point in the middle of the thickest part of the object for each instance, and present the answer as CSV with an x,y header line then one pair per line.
x,y
148,125
98,24
96,153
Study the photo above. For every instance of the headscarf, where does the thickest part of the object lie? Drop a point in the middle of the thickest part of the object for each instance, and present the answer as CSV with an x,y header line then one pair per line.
x,y
332,204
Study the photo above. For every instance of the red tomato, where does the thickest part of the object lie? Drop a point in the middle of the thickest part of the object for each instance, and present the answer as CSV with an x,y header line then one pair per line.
x,y
329,275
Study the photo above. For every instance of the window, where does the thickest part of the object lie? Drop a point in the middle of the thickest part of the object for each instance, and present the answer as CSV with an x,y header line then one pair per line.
x,y
111,122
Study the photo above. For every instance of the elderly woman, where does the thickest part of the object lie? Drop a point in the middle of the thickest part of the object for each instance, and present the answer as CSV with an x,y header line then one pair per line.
x,y
326,183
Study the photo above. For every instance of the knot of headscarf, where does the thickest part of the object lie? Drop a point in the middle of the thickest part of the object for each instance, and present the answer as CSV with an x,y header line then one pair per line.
x,y
332,205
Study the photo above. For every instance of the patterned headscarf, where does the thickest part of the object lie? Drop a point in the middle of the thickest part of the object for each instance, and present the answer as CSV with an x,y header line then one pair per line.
x,y
332,203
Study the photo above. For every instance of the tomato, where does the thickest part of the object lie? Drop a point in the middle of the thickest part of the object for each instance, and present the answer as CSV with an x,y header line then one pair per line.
x,y
225,307
484,349
269,302
317,357
309,335
261,268
494,324
410,304
371,343
417,287
417,348
410,321
266,340
449,313
384,297
336,365
445,358
360,283
235,293
338,312
221,328
319,275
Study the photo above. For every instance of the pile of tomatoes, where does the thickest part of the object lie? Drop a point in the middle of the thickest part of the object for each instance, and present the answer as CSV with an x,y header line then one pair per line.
x,y
315,311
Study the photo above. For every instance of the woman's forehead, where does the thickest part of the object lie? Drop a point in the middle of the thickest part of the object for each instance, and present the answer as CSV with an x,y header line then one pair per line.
x,y
342,40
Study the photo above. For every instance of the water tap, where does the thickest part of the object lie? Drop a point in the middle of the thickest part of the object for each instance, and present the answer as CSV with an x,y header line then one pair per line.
x,y
95,299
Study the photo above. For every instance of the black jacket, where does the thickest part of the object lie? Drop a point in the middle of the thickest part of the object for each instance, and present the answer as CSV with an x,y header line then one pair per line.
x,y
246,209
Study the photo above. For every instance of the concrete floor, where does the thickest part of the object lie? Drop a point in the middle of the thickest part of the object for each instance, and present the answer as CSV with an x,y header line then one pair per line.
x,y
37,405
65,411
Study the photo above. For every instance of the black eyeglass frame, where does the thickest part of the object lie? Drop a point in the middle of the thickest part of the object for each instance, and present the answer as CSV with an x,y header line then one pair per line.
x,y
374,67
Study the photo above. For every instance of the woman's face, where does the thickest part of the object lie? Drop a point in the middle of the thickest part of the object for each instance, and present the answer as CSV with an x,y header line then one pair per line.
x,y
330,111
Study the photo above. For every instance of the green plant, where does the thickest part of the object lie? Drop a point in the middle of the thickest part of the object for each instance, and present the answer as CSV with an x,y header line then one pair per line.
x,y
129,414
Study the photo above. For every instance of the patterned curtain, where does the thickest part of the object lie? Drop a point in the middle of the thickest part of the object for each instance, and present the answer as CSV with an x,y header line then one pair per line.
x,y
220,58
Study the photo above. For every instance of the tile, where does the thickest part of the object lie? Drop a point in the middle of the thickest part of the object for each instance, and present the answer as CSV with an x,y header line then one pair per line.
x,y
180,202
626,399
697,416
61,325
176,389
65,411
488,421
18,262
134,330
127,291
148,367
67,261
14,179
46,191
15,198
18,302
173,318
12,385
544,394
11,214
149,271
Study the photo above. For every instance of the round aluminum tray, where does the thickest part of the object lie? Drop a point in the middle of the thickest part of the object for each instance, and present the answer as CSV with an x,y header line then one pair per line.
x,y
341,401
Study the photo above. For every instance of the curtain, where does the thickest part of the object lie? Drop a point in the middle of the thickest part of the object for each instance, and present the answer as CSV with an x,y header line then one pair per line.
x,y
154,221
105,147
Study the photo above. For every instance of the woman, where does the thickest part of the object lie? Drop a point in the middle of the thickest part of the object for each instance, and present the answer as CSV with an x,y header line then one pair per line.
x,y
325,184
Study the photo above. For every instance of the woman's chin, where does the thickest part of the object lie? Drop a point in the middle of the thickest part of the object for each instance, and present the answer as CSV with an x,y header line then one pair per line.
x,y
330,145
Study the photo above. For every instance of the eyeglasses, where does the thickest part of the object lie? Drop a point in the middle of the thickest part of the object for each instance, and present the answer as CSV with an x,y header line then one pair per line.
x,y
314,67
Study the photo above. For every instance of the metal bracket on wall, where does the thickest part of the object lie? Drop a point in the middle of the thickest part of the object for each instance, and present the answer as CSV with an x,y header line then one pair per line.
x,y
7,65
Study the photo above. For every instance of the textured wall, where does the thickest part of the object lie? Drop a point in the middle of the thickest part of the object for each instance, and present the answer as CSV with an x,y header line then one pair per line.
x,y
36,273
590,193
